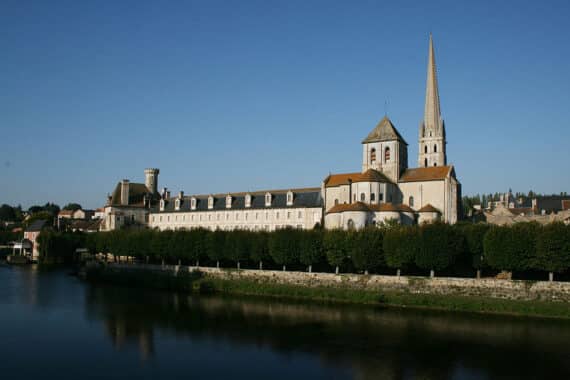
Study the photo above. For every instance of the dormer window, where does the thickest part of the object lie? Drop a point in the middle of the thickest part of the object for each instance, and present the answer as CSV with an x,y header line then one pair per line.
x,y
162,205
228,201
248,200
289,198
267,199
193,203
210,202
177,204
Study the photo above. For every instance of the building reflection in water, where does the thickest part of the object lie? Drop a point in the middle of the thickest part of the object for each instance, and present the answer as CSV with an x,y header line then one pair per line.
x,y
366,342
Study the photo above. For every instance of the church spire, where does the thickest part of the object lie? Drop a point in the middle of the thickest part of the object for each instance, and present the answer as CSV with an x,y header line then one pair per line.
x,y
432,142
432,113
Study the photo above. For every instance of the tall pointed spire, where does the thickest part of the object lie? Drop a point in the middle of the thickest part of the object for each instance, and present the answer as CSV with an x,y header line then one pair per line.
x,y
432,129
432,113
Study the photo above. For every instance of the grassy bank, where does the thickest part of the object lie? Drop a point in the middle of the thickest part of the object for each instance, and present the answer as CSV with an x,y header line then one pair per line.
x,y
197,282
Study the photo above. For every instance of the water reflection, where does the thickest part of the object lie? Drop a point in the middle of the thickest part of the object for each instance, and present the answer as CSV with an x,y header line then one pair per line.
x,y
361,342
52,324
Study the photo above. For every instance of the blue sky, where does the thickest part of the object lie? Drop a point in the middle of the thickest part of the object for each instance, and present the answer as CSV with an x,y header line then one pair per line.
x,y
229,96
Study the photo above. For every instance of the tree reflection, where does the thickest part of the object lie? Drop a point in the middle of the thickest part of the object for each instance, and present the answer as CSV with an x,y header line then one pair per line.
x,y
368,343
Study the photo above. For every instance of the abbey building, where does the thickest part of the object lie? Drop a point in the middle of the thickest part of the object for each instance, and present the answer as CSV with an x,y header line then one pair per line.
x,y
385,189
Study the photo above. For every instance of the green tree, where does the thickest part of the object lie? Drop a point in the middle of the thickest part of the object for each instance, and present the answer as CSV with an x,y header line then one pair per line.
x,y
366,251
72,207
259,249
401,245
284,246
511,248
215,244
311,248
553,249
336,243
474,235
237,246
440,245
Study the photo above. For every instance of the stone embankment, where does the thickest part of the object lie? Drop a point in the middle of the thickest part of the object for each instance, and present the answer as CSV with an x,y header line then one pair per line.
x,y
493,288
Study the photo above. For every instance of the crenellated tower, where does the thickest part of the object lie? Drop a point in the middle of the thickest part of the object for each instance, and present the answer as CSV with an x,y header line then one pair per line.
x,y
432,144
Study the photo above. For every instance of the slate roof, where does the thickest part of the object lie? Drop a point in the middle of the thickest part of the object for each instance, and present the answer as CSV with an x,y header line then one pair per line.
x,y
137,191
384,131
370,175
307,197
36,226
551,203
432,173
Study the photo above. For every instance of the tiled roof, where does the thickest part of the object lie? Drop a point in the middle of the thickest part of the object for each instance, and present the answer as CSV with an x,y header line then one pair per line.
x,y
433,173
360,206
384,131
428,208
357,206
370,175
65,213
306,197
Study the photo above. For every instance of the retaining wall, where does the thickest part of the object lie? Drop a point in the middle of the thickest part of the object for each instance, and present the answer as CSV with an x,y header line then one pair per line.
x,y
494,288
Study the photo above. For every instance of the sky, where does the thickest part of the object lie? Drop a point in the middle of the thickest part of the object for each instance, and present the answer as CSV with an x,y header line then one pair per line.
x,y
227,96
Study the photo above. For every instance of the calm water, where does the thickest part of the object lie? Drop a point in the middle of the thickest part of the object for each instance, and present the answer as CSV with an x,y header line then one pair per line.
x,y
54,326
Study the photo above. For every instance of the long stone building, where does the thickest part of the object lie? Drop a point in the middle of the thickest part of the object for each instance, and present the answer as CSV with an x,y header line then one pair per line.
x,y
385,189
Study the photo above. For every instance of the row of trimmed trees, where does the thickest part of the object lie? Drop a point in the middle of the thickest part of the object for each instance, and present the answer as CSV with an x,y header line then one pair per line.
x,y
431,247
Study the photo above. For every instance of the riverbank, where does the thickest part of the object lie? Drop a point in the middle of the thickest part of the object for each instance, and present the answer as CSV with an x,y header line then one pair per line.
x,y
346,290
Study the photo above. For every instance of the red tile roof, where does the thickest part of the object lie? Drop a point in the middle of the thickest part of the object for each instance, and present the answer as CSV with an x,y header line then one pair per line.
x,y
428,208
370,175
433,173
360,206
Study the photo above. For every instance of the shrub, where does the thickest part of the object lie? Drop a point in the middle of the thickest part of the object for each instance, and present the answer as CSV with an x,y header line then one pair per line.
x,y
511,248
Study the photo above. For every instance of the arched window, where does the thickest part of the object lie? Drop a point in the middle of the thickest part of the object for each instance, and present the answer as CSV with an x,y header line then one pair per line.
x,y
362,197
350,224
335,202
435,148
372,155
425,149
372,197
387,154
425,162
435,164
411,201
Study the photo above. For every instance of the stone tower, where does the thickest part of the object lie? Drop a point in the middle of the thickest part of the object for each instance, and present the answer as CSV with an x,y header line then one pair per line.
x,y
432,128
151,180
385,150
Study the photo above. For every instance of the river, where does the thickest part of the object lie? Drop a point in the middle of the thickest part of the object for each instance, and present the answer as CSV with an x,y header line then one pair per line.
x,y
53,325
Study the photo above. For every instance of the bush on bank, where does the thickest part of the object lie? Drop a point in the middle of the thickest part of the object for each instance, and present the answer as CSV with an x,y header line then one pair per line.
x,y
438,247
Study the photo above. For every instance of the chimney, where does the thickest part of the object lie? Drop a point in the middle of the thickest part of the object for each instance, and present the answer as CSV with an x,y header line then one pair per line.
x,y
125,192
163,192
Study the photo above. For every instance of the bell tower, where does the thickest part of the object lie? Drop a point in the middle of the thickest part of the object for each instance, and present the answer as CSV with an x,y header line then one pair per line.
x,y
432,144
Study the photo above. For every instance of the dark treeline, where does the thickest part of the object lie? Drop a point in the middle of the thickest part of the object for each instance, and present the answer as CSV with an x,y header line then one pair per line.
x,y
463,250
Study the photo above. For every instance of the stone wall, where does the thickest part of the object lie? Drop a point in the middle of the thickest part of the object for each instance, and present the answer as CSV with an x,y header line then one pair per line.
x,y
494,288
